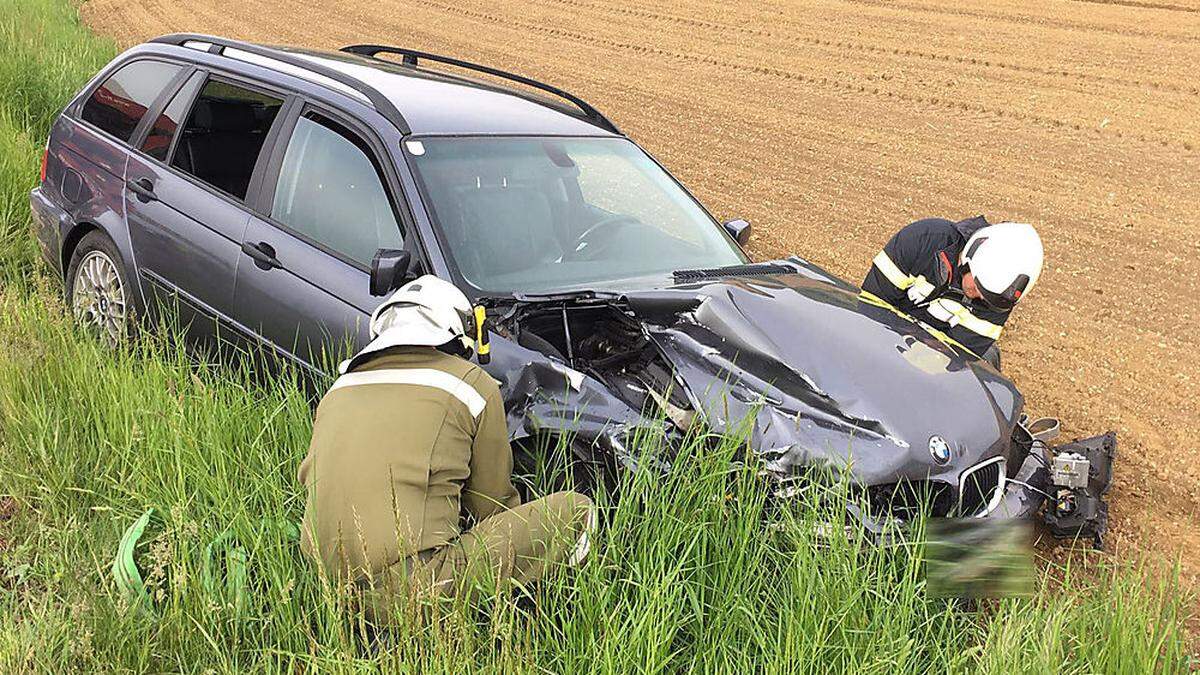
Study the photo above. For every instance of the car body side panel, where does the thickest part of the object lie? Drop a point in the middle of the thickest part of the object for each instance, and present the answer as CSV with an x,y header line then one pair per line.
x,y
188,239
49,222
315,307
90,165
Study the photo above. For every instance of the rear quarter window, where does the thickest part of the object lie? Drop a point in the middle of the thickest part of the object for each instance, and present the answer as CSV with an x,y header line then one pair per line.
x,y
120,102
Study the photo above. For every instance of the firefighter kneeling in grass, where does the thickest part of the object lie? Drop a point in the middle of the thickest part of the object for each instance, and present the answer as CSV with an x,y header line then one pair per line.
x,y
963,278
409,473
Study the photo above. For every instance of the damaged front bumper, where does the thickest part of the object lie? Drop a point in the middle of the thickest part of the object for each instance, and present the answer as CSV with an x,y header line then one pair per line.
x,y
1071,507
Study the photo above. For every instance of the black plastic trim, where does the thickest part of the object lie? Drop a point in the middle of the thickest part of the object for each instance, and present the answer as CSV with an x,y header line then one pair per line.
x,y
412,58
381,103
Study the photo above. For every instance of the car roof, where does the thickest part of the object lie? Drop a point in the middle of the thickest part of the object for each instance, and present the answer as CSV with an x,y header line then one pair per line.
x,y
427,101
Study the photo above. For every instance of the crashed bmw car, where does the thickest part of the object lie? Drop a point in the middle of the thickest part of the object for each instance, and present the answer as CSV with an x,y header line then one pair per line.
x,y
272,195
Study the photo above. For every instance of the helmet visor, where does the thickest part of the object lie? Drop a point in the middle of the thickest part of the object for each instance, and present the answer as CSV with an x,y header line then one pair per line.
x,y
1005,301
997,301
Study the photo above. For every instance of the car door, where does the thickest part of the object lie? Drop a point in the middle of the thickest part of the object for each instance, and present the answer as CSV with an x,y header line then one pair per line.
x,y
326,207
186,196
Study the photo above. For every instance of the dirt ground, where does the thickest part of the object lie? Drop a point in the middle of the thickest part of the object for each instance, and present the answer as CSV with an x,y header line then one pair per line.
x,y
830,124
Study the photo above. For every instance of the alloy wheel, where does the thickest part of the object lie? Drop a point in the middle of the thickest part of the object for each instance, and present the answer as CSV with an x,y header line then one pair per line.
x,y
98,296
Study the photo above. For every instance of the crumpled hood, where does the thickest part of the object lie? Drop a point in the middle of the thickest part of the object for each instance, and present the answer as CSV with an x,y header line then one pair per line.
x,y
827,376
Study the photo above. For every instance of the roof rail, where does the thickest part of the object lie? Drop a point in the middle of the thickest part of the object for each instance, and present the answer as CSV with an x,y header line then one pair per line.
x,y
411,57
217,45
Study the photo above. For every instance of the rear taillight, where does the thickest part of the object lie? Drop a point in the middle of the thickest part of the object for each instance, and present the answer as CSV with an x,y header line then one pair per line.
x,y
45,160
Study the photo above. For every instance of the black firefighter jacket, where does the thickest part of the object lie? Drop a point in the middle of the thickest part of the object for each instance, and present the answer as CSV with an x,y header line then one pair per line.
x,y
917,272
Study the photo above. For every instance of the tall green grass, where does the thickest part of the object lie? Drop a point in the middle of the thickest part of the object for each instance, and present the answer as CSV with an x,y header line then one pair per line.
x,y
691,571
19,158
45,56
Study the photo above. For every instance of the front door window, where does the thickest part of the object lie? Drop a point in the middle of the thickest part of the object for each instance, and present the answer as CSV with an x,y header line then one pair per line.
x,y
330,191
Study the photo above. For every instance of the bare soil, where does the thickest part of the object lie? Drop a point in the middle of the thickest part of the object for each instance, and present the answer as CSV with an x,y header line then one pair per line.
x,y
831,124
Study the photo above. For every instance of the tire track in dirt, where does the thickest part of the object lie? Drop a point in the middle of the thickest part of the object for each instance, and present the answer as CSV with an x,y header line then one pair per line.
x,y
822,81
1152,85
1141,5
1026,20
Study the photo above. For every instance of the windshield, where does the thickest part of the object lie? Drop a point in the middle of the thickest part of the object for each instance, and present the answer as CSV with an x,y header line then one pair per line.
x,y
529,215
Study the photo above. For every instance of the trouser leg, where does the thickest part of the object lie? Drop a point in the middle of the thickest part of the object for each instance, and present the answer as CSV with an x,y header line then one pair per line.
x,y
519,545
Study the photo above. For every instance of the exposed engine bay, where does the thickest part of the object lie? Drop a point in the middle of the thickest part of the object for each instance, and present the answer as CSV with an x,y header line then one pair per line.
x,y
608,344
824,379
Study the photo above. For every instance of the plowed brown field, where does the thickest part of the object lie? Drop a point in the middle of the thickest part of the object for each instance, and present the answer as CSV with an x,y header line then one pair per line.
x,y
830,124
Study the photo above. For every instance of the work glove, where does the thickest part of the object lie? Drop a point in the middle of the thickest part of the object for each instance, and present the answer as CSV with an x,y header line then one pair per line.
x,y
920,289
950,311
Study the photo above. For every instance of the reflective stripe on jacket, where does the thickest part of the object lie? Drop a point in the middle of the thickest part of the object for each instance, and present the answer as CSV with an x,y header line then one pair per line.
x,y
403,446
906,274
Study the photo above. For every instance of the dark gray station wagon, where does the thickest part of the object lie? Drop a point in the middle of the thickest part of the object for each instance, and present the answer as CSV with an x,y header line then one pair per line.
x,y
250,189
270,196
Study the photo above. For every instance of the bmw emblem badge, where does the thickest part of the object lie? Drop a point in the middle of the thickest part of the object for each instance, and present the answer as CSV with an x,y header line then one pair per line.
x,y
939,449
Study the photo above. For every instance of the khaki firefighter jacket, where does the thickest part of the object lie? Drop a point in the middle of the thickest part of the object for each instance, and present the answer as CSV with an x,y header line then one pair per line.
x,y
404,446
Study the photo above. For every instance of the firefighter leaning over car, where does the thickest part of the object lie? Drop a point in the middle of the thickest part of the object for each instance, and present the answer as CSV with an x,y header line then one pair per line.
x,y
963,278
409,473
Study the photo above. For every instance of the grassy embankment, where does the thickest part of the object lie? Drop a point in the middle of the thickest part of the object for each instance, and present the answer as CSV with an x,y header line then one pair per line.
x,y
688,575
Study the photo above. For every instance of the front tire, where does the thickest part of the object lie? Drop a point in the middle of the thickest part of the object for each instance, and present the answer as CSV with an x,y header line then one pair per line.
x,y
98,291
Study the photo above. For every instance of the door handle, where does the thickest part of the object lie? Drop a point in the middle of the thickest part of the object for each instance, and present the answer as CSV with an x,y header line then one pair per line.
x,y
143,188
263,254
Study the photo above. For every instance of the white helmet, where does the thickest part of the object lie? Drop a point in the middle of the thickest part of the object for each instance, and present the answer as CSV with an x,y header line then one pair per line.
x,y
425,312
1006,261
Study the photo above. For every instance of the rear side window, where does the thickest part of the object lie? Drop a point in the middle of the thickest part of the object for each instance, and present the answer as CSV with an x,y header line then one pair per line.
x,y
121,101
224,134
331,191
158,139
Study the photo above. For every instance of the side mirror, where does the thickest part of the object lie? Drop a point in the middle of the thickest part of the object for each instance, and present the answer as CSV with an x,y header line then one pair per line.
x,y
389,269
738,229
